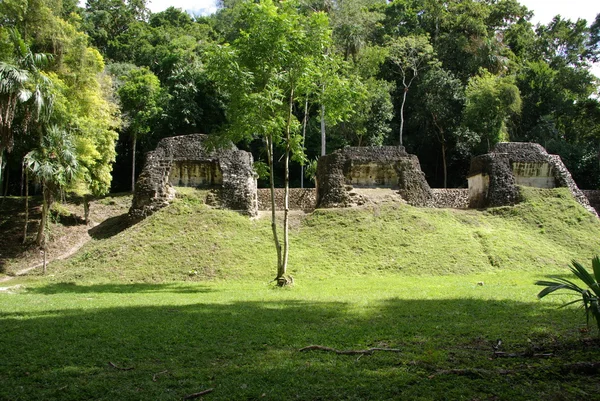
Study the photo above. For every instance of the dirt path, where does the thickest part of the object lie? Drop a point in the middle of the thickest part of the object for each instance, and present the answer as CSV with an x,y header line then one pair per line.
x,y
50,259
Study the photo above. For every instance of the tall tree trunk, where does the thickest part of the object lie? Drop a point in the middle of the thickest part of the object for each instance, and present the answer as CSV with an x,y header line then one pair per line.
x,y
444,163
134,141
273,216
442,139
6,177
26,204
402,113
281,279
304,122
1,165
323,140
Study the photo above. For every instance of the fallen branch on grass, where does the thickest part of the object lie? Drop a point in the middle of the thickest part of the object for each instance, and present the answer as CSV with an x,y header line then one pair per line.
x,y
159,373
499,354
119,368
347,352
196,395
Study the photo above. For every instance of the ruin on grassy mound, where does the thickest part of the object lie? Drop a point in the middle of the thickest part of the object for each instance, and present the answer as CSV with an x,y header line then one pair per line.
x,y
370,167
186,161
494,177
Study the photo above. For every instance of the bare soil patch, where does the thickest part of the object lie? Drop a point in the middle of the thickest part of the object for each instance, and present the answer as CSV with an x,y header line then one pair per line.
x,y
68,231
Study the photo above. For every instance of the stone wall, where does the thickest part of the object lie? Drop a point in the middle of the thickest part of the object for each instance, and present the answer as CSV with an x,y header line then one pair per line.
x,y
493,177
370,167
187,161
454,198
299,198
593,197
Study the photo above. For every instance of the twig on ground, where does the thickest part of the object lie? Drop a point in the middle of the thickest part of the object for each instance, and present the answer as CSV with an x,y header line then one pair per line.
x,y
499,354
119,368
347,352
469,372
159,373
196,395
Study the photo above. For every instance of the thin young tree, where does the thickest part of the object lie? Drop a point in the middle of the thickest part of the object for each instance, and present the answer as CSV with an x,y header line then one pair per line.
x,y
411,55
262,72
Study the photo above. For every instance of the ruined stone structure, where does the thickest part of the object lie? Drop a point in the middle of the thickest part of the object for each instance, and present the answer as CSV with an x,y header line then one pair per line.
x,y
370,167
493,177
298,199
185,161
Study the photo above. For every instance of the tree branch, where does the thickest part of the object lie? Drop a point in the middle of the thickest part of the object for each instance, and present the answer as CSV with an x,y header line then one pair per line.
x,y
369,351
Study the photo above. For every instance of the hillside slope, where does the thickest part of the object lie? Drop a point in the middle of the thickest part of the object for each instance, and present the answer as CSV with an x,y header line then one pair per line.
x,y
190,241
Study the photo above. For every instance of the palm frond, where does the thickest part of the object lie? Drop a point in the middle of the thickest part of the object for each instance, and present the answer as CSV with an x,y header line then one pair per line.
x,y
582,273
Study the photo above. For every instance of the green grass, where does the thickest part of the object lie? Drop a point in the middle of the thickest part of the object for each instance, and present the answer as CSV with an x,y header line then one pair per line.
x,y
242,339
185,298
191,242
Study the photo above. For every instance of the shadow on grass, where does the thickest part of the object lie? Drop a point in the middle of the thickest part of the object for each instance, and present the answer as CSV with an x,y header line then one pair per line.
x,y
72,288
110,227
249,350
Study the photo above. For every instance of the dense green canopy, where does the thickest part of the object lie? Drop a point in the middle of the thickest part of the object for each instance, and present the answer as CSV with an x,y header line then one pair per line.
x,y
485,73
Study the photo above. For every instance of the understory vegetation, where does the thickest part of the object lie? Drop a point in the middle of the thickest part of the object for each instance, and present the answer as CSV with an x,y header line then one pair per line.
x,y
184,302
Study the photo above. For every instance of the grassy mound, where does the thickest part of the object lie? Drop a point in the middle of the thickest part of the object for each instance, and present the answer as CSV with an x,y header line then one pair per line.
x,y
190,241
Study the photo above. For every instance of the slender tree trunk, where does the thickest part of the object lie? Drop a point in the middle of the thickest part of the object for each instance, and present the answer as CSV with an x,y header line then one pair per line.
x,y
22,178
444,163
323,140
281,279
1,165
273,216
134,140
26,205
44,263
46,203
304,122
6,177
442,140
86,209
402,113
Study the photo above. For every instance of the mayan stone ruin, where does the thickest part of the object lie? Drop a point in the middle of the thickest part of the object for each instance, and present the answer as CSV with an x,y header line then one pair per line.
x,y
186,161
494,177
350,168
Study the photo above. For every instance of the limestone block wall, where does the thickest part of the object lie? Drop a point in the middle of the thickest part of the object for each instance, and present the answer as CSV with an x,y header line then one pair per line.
x,y
593,197
299,198
186,161
191,173
370,167
454,198
493,178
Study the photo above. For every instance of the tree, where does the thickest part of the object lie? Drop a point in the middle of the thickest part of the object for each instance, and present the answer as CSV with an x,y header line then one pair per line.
x,y
54,164
443,98
21,84
139,94
411,55
491,102
262,72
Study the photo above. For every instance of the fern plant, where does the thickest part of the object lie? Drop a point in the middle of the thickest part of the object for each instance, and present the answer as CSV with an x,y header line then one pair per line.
x,y
589,297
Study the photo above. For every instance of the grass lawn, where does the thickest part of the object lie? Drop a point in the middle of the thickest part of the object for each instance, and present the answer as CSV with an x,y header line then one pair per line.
x,y
182,303
242,339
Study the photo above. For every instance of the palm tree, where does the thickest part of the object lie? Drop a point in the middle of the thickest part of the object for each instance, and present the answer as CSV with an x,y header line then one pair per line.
x,y
22,83
54,164
589,297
